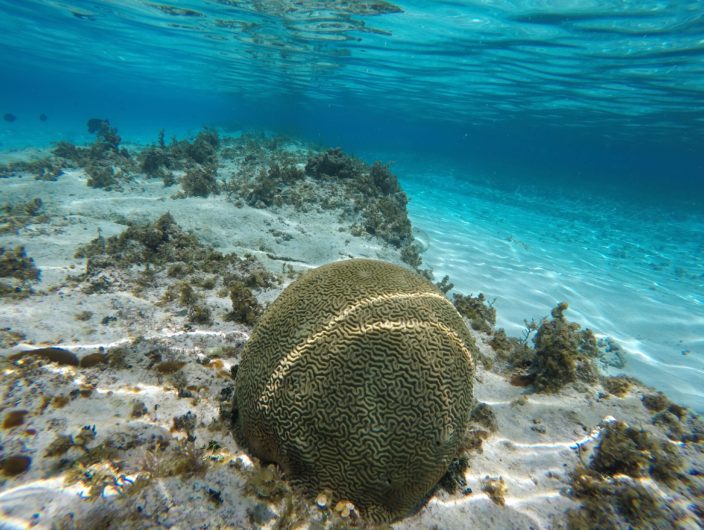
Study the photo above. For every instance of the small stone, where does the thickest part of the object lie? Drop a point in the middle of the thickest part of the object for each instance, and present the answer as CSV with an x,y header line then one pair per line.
x,y
322,500
14,465
14,418
345,509
495,488
139,409
186,422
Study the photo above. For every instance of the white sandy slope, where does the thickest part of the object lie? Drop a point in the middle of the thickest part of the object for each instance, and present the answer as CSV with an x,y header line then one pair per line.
x,y
534,449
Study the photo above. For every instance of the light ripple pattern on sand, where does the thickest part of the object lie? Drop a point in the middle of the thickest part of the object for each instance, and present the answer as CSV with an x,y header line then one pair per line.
x,y
624,273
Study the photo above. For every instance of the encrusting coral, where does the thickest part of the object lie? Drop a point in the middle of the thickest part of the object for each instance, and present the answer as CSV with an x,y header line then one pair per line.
x,y
358,380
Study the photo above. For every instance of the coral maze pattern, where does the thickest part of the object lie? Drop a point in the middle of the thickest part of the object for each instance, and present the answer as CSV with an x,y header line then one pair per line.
x,y
358,379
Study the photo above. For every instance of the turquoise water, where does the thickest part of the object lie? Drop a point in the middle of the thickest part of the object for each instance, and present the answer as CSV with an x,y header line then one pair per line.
x,y
551,150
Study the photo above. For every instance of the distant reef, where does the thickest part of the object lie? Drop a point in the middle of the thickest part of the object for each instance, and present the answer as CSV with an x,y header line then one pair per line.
x,y
254,169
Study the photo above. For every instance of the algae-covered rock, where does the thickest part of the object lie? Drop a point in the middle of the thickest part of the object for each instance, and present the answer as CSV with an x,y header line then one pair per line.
x,y
358,380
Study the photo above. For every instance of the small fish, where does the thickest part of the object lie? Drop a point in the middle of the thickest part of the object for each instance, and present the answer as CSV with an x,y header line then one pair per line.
x,y
9,117
43,117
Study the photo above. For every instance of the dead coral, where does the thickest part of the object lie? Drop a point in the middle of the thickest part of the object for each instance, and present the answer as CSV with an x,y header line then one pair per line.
x,y
495,488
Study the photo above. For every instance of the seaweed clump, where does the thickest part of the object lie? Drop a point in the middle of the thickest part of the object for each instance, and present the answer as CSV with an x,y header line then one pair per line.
x,y
610,496
45,168
13,217
198,160
17,273
245,308
480,313
618,385
162,250
106,164
200,181
563,353
636,453
333,163
370,197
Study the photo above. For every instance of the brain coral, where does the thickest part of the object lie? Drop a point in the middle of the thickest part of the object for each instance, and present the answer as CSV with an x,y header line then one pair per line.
x,y
358,380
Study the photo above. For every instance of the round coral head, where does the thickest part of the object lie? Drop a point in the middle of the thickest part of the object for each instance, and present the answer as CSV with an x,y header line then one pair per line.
x,y
358,380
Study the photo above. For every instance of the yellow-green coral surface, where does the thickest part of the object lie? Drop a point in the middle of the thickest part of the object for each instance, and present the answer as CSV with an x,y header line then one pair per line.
x,y
358,379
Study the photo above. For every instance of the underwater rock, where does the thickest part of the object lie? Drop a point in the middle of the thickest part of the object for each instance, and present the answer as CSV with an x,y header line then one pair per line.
x,y
8,116
14,418
358,380
96,124
43,117
54,355
14,465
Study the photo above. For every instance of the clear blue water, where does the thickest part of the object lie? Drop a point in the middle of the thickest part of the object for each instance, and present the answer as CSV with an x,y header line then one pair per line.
x,y
574,127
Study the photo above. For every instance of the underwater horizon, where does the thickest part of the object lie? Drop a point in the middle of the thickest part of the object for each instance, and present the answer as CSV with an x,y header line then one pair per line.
x,y
542,162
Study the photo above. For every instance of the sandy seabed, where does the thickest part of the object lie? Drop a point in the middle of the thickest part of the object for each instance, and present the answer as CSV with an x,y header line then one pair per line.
x,y
134,420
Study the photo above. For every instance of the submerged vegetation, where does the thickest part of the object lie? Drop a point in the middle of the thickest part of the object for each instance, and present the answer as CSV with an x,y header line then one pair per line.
x,y
163,254
14,217
562,353
269,172
18,273
370,197
609,488
620,486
